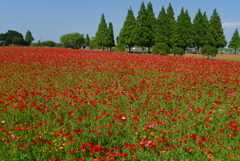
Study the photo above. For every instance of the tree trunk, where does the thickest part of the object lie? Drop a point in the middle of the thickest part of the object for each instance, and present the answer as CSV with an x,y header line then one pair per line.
x,y
129,48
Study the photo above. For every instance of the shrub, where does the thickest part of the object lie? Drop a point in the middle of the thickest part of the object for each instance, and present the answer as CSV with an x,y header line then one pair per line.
x,y
48,43
209,51
161,48
120,47
178,51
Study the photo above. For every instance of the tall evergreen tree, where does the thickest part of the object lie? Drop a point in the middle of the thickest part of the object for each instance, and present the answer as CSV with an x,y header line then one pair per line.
x,y
111,42
102,34
143,36
207,36
125,36
198,30
28,38
201,31
217,31
87,40
184,30
171,25
162,27
151,24
235,41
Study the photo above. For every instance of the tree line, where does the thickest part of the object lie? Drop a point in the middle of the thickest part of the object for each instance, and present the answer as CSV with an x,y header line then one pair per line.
x,y
12,37
146,30
162,34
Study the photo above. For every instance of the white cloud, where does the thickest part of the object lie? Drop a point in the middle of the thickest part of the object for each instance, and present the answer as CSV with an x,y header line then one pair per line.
x,y
231,24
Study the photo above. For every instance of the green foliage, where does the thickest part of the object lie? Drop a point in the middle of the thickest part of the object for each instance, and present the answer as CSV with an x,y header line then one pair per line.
x,y
161,48
12,37
120,47
162,26
143,33
111,42
87,40
184,30
166,26
201,30
217,31
93,44
126,34
28,38
48,43
171,26
102,35
209,51
235,41
178,51
151,24
17,40
73,40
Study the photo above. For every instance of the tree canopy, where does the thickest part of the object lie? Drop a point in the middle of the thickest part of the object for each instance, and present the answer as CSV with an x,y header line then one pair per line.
x,y
142,33
216,31
171,25
111,41
72,40
87,40
162,27
12,37
102,34
126,33
28,38
184,30
209,51
235,41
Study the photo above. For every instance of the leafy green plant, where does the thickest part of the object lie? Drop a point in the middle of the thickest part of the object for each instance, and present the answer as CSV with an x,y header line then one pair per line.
x,y
178,51
161,48
209,51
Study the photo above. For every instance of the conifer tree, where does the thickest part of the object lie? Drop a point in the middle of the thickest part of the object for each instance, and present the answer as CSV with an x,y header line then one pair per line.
x,y
125,36
102,34
111,42
198,32
184,30
235,41
171,25
207,36
142,34
217,31
151,24
28,38
87,40
201,32
162,27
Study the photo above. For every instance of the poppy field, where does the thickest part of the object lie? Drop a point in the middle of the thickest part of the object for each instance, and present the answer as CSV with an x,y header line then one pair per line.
x,y
62,104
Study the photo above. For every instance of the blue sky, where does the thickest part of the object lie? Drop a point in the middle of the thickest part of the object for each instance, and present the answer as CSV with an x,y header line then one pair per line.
x,y
49,19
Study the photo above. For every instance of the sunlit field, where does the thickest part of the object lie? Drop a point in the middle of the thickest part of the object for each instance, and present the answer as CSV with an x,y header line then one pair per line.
x,y
64,104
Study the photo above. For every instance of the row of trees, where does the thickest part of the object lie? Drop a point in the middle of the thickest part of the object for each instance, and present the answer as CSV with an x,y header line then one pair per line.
x,y
104,38
12,37
146,30
104,35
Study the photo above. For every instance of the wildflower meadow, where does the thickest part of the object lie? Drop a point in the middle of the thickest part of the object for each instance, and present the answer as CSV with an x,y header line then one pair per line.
x,y
59,104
